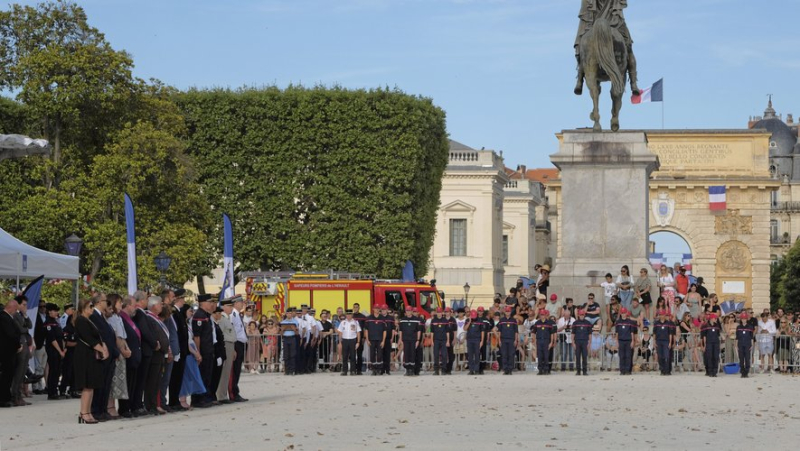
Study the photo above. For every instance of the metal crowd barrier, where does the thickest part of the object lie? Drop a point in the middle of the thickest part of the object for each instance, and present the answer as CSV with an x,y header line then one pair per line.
x,y
264,354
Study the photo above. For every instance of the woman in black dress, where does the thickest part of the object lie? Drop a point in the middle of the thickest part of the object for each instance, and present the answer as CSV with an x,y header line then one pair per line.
x,y
89,352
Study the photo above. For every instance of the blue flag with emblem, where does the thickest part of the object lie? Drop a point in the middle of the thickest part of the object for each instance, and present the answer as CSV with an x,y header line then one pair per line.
x,y
227,260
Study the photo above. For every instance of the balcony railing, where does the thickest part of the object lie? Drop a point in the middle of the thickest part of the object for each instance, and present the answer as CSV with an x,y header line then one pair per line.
x,y
785,206
779,240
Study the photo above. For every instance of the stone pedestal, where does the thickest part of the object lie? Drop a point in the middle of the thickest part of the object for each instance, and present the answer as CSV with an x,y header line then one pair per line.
x,y
603,210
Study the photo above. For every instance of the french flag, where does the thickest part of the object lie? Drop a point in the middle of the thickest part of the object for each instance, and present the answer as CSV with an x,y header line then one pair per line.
x,y
131,239
687,262
656,260
654,93
716,198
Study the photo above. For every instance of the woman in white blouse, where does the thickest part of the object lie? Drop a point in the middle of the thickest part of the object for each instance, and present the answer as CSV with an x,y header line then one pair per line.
x,y
667,284
625,287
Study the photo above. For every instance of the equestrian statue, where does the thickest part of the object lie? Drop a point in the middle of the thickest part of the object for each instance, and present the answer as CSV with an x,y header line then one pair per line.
x,y
604,50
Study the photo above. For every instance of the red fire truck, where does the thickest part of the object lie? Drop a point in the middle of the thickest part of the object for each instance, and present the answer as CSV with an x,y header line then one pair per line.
x,y
332,290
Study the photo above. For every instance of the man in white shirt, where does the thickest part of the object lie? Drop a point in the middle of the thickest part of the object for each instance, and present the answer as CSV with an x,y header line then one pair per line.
x,y
350,333
564,327
238,347
69,309
766,335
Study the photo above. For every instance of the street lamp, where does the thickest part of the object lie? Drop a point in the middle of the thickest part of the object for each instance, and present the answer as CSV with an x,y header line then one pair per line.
x,y
162,265
466,292
73,246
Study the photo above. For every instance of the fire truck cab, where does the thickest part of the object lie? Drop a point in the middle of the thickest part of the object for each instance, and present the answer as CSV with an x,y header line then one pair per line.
x,y
329,291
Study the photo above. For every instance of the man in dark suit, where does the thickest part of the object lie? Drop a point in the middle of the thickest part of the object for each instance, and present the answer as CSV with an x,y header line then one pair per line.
x,y
176,380
10,346
160,355
98,318
134,340
21,365
149,345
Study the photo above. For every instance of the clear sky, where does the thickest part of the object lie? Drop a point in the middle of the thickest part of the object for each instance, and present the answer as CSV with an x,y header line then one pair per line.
x,y
503,70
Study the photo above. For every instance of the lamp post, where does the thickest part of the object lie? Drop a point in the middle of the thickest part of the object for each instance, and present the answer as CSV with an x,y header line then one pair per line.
x,y
466,293
73,245
163,261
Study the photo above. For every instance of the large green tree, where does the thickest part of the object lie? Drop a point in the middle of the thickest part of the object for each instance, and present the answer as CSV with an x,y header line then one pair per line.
x,y
787,273
318,179
111,133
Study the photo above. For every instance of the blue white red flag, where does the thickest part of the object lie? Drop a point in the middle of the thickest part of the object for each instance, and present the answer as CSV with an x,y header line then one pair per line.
x,y
656,260
716,198
654,93
131,240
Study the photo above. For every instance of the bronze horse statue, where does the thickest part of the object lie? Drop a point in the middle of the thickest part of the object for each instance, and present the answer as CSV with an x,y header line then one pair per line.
x,y
604,57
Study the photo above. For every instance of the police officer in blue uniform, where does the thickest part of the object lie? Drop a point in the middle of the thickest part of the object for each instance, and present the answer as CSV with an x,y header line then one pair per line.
x,y
509,340
745,333
487,326
54,346
544,332
67,367
664,330
203,331
376,334
627,332
709,335
476,335
289,331
581,334
440,328
411,337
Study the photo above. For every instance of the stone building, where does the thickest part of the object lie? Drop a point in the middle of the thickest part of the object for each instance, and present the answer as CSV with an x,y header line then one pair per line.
x,y
784,157
486,225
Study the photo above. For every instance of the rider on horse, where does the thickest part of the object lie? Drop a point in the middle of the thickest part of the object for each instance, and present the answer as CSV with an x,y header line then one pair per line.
x,y
590,11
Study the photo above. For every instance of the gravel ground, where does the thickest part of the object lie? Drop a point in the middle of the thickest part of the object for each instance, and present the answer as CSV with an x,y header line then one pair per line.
x,y
329,412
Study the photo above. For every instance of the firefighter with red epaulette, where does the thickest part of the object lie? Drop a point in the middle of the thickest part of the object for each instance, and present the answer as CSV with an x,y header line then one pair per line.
x,y
376,334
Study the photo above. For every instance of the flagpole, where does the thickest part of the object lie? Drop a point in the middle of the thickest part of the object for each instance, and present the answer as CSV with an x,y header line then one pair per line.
x,y
662,105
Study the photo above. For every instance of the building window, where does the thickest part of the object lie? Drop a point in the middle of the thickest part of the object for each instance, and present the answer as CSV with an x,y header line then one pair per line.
x,y
774,230
505,249
458,237
775,197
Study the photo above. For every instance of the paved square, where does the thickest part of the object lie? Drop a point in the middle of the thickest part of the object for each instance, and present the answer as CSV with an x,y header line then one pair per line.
x,y
524,411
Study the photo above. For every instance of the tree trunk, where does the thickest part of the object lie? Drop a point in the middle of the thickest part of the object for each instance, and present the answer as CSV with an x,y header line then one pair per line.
x,y
96,262
201,286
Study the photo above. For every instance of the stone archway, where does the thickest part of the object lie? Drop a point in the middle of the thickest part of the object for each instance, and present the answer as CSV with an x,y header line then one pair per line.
x,y
673,245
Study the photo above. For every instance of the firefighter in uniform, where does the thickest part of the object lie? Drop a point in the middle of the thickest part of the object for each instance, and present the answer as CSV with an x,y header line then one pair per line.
x,y
411,337
203,331
451,354
544,331
627,331
418,350
350,334
302,340
362,319
745,334
509,340
388,325
54,346
709,336
67,367
440,327
475,338
664,330
581,334
376,334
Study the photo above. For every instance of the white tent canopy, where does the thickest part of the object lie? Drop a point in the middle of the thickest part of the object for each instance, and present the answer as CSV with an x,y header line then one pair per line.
x,y
24,261
18,146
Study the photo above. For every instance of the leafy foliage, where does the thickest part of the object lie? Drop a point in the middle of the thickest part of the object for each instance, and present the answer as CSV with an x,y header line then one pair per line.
x,y
317,179
110,133
786,275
